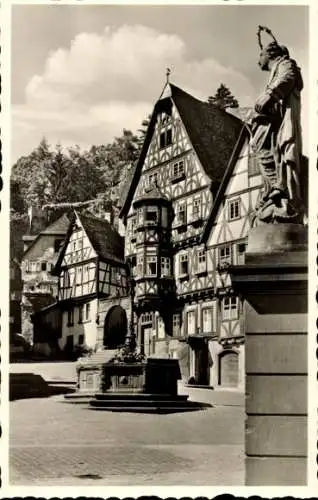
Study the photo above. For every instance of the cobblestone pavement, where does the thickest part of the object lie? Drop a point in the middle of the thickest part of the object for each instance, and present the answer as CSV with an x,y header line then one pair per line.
x,y
55,443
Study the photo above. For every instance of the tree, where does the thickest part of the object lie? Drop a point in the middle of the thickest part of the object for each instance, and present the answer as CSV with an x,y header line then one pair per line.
x,y
223,98
54,176
143,130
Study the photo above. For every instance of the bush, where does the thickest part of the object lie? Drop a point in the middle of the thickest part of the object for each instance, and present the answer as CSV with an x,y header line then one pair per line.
x,y
81,350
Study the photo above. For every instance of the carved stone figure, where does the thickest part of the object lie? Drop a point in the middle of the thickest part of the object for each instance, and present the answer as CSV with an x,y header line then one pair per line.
x,y
276,136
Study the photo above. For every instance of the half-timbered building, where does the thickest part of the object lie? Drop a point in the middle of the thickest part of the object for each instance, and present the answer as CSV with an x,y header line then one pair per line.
x,y
91,271
187,213
39,287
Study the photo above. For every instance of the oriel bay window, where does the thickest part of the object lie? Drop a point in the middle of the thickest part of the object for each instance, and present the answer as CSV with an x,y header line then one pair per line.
x,y
151,215
151,265
140,264
140,215
230,308
165,266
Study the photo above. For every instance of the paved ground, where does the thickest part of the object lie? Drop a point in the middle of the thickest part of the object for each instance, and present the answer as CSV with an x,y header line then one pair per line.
x,y
55,443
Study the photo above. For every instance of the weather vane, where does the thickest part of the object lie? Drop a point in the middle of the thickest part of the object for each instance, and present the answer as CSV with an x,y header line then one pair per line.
x,y
168,71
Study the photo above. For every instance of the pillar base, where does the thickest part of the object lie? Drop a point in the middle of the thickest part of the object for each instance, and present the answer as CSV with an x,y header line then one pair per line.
x,y
274,285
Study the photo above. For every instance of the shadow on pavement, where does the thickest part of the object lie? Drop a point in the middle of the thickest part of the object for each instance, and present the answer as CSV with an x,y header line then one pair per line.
x,y
30,385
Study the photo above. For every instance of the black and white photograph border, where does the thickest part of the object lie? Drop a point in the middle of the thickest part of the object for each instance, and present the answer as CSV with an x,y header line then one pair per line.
x,y
159,214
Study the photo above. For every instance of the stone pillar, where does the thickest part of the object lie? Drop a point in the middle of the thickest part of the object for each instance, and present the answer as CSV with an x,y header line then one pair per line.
x,y
273,283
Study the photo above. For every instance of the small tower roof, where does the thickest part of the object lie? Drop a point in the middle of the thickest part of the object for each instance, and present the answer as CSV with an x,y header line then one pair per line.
x,y
153,194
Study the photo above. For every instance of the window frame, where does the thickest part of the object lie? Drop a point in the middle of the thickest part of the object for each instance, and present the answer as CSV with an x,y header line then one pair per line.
x,y
176,325
225,259
151,259
182,209
230,311
165,266
235,205
201,266
203,311
183,257
165,137
188,313
197,214
151,209
178,171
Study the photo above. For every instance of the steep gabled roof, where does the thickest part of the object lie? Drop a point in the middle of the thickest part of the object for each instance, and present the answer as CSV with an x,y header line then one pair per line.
x,y
57,228
228,173
212,131
105,240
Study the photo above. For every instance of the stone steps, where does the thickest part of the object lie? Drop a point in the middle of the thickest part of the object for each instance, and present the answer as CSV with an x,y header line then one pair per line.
x,y
138,396
143,403
147,409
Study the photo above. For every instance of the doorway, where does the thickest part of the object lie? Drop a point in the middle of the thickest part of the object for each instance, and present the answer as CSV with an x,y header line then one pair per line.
x,y
115,328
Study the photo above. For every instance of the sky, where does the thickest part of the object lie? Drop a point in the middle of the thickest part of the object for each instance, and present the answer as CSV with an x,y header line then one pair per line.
x,y
83,73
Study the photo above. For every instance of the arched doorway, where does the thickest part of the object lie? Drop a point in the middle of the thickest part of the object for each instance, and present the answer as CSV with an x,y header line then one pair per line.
x,y
115,328
228,369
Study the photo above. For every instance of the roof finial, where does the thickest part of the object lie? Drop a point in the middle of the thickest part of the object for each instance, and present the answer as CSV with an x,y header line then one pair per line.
x,y
168,71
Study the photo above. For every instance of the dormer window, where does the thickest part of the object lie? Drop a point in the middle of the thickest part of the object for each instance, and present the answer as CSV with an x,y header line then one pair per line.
x,y
165,138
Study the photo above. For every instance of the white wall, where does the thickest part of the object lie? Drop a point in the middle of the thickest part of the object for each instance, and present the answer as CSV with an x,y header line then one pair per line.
x,y
88,328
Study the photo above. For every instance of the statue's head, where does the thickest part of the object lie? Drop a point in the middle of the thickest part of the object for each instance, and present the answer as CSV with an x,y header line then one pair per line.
x,y
270,53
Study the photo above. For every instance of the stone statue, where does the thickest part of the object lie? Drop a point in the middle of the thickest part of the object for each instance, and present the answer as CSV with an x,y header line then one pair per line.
x,y
276,136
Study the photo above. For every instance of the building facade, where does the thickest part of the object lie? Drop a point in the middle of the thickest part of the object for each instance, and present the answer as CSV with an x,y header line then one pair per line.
x,y
15,298
39,287
187,215
92,285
